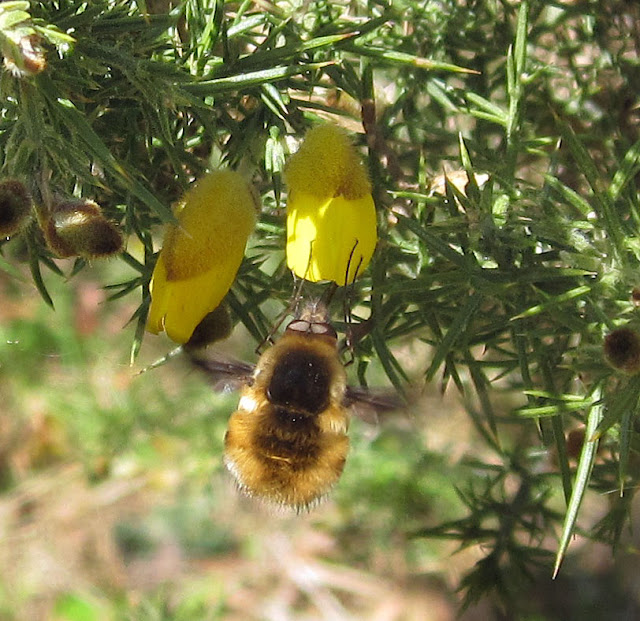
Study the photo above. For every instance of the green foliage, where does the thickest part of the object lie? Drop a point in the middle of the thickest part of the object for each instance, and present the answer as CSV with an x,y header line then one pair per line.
x,y
511,267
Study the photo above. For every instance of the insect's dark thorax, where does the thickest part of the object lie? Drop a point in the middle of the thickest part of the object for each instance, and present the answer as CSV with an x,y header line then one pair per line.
x,y
301,382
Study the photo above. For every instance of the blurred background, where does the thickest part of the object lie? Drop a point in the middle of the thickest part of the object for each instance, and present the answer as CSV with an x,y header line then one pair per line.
x,y
115,503
503,142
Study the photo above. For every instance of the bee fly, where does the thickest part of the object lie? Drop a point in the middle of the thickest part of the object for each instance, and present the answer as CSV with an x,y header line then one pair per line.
x,y
287,441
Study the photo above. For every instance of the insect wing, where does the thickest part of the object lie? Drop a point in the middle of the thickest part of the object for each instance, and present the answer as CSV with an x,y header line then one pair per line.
x,y
368,404
223,374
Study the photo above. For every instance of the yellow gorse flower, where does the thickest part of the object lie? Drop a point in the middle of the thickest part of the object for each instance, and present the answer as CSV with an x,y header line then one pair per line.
x,y
331,217
201,253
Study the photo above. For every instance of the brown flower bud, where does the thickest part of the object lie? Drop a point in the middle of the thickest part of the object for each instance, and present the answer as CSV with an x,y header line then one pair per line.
x,y
78,228
622,350
24,56
15,207
216,326
575,442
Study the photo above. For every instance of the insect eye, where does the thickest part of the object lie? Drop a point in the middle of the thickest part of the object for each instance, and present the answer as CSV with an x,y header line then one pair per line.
x,y
299,325
324,329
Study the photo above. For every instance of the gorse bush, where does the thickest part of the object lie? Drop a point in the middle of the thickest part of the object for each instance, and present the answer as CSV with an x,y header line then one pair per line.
x,y
503,148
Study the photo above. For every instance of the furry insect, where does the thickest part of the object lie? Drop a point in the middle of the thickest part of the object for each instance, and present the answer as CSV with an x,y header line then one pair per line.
x,y
287,441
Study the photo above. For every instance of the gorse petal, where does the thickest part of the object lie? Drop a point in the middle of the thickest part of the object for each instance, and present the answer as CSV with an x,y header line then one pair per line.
x,y
178,306
331,217
201,254
328,165
330,239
